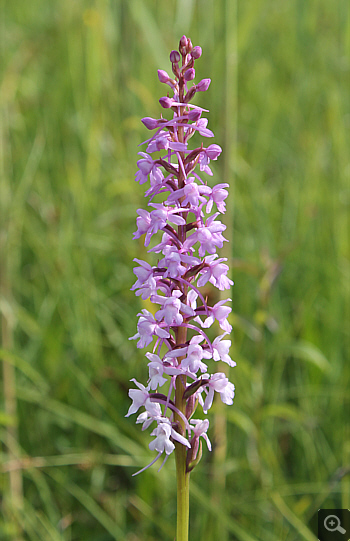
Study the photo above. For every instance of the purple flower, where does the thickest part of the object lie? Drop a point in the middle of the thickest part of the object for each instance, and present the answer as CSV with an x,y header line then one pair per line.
x,y
172,306
148,327
163,141
218,196
143,272
208,236
180,203
216,272
194,355
210,153
174,262
201,125
191,193
148,167
147,418
220,313
195,114
148,223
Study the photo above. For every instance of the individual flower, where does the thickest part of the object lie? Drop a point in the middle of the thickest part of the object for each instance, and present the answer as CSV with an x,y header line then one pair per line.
x,y
210,153
163,433
220,313
163,141
219,383
156,370
200,430
146,418
173,310
148,327
194,355
191,193
138,397
147,167
216,272
208,236
218,195
221,349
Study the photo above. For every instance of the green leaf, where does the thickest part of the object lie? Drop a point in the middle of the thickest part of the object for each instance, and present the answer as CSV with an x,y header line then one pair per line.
x,y
310,353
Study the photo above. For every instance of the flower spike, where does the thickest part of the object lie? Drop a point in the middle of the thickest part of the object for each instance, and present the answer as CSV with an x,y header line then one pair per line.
x,y
186,230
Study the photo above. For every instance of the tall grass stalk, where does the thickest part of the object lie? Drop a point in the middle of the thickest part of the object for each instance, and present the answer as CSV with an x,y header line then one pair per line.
x,y
13,497
15,492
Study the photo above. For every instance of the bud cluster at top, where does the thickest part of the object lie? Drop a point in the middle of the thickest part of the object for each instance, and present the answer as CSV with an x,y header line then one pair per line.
x,y
188,238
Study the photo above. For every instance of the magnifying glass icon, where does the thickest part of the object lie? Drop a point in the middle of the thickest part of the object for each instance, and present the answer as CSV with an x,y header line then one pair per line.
x,y
332,524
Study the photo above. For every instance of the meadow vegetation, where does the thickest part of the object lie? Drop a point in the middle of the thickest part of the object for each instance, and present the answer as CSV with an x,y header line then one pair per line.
x,y
76,77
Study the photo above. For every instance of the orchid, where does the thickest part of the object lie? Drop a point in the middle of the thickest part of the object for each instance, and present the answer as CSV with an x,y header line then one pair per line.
x,y
187,238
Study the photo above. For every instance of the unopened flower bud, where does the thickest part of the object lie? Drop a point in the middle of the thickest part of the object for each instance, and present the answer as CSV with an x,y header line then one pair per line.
x,y
196,52
191,406
149,122
194,115
189,74
190,93
183,41
174,57
203,85
163,76
189,45
166,102
190,63
183,46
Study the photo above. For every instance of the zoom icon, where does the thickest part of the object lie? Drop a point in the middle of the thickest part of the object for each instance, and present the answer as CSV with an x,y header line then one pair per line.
x,y
333,524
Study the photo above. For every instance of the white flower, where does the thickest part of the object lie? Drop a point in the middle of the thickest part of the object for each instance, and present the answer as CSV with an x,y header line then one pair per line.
x,y
195,354
138,397
162,442
156,370
147,418
220,313
221,348
219,383
200,429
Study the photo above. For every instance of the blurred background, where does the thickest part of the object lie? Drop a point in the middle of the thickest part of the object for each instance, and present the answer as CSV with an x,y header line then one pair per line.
x,y
76,77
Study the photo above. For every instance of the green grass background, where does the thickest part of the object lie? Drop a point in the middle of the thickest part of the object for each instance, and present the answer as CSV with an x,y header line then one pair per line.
x,y
76,77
